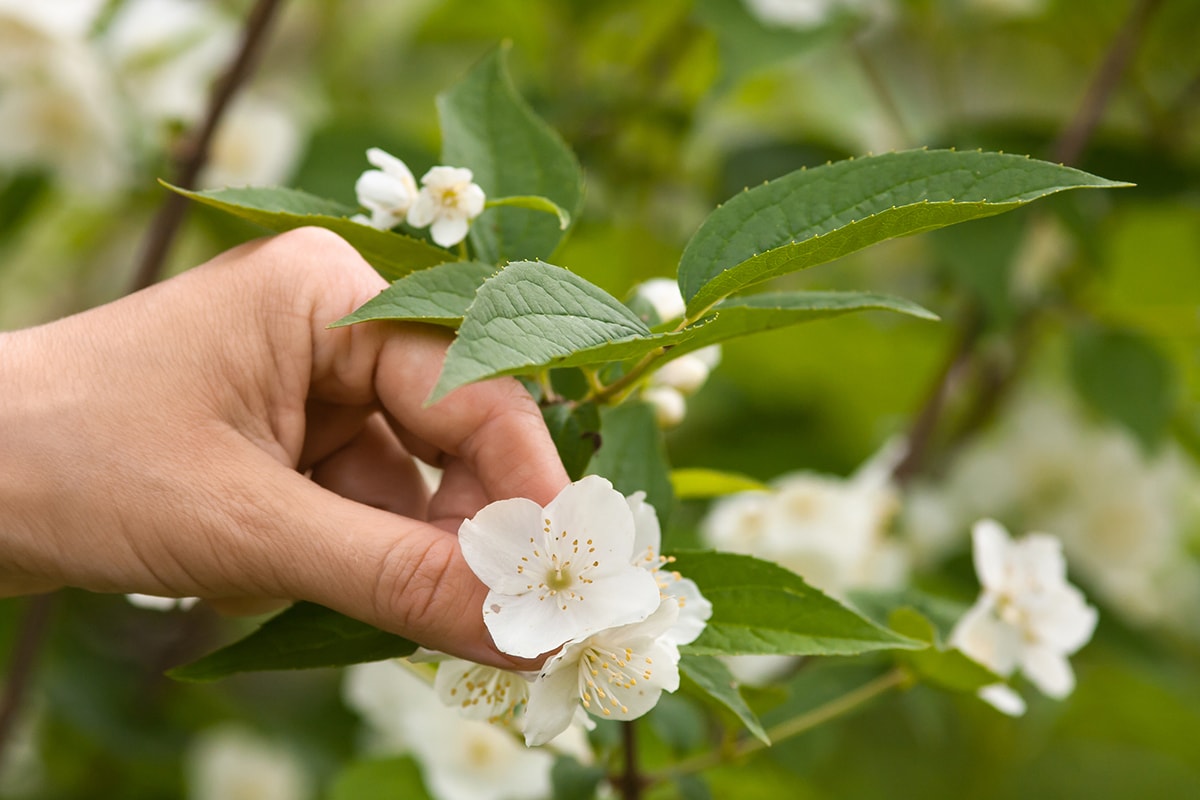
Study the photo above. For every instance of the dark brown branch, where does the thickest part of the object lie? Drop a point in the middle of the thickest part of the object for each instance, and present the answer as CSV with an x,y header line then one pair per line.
x,y
194,153
630,782
30,635
1078,133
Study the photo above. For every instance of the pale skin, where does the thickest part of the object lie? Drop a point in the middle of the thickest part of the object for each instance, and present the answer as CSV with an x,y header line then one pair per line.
x,y
211,437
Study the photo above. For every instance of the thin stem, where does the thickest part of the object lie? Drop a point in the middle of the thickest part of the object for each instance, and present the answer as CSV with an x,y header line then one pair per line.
x,y
1078,133
882,91
30,636
630,782
790,728
195,150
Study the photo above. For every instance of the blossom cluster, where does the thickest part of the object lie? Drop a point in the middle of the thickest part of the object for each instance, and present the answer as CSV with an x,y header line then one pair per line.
x,y
584,580
669,387
446,203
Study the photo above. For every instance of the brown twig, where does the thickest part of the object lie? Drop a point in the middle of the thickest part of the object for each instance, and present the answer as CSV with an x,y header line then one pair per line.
x,y
630,782
1067,149
1078,133
195,150
30,635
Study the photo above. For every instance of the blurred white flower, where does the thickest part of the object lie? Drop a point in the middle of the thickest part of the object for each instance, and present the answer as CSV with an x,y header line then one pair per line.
x,y
617,673
669,405
233,762
447,202
258,144
152,602
58,105
829,530
558,573
694,608
1028,617
167,54
388,192
460,759
664,296
805,14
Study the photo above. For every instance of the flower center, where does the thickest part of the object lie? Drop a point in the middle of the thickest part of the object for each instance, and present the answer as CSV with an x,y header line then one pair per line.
x,y
604,671
559,579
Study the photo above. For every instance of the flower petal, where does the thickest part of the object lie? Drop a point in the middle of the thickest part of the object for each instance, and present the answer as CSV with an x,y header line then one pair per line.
x,y
424,209
647,533
495,540
694,611
992,548
984,638
1049,670
595,513
553,702
449,229
1003,699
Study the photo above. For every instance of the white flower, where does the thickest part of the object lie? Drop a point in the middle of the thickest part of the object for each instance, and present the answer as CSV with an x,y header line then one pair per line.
x,y
460,759
1028,617
664,296
694,609
688,372
233,762
669,405
257,144
447,202
387,192
478,691
558,573
617,673
153,602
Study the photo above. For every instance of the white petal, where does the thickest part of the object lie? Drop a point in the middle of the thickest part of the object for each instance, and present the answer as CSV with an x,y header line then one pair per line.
x,y
424,209
685,374
471,200
1003,699
1049,670
1042,560
477,691
378,191
448,230
985,639
669,406
992,549
496,539
553,701
393,167
694,611
596,514
443,177
664,295
647,533
1067,622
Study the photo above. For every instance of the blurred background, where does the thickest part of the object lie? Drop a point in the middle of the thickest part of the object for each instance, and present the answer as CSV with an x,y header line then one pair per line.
x,y
1062,382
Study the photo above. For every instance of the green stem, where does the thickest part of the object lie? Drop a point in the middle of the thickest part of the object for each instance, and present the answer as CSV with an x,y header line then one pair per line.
x,y
789,728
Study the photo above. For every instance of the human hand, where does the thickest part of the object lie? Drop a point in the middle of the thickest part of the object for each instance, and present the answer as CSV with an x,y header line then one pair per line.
x,y
160,444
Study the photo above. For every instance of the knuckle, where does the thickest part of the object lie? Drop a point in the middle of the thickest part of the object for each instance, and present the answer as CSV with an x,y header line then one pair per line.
x,y
415,592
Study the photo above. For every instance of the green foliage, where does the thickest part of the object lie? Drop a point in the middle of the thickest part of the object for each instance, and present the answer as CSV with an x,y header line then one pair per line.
x,y
700,484
379,779
304,636
813,216
439,295
487,127
1126,378
574,781
714,680
937,664
633,456
532,316
761,608
575,429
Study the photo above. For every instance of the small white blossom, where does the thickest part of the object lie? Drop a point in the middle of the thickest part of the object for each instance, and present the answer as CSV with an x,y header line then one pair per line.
x,y
258,144
387,192
617,673
557,573
234,762
447,202
1028,617
669,405
694,608
664,296
478,691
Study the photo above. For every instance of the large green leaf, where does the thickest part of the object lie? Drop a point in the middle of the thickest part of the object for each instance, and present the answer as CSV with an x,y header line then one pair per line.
x,y
487,127
393,255
439,295
816,215
741,316
714,679
575,429
533,315
1122,375
383,778
304,636
761,608
633,455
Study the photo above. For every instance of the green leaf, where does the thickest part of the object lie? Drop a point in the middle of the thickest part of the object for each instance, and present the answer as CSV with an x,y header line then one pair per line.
x,y
571,780
1123,376
714,678
742,316
533,315
379,779
700,484
439,295
575,430
633,456
945,667
487,127
393,255
813,216
760,607
534,203
304,636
